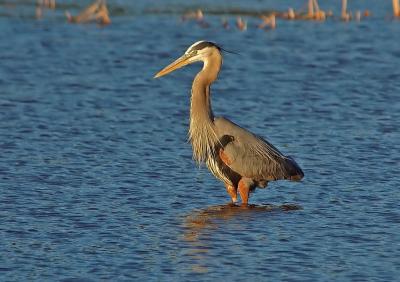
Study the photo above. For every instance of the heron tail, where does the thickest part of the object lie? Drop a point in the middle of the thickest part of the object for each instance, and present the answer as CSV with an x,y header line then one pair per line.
x,y
294,171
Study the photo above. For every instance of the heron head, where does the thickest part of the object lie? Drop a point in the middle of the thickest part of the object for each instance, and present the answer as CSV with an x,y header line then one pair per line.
x,y
199,51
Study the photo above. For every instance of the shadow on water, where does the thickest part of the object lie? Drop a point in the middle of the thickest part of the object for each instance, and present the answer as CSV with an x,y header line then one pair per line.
x,y
201,227
207,217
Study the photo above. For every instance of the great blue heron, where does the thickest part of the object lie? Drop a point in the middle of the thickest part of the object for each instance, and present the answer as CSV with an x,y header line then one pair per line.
x,y
240,159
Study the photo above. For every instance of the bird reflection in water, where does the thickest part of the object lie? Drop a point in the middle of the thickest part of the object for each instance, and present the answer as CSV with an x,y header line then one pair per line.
x,y
199,224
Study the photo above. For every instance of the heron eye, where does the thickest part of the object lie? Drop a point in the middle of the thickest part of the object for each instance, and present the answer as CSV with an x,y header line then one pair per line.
x,y
193,52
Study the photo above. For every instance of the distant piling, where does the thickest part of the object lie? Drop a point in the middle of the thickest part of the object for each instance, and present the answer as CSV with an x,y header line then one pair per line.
x,y
396,8
310,8
314,12
241,24
268,21
345,15
95,12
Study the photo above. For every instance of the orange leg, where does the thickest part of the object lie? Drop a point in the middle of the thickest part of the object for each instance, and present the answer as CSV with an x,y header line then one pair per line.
x,y
244,189
232,191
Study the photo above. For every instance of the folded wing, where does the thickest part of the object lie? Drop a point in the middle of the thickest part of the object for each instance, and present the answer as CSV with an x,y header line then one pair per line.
x,y
251,156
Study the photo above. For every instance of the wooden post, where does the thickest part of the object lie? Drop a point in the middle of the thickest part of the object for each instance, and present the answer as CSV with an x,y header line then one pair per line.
x,y
310,8
345,15
316,6
319,15
344,8
291,14
396,8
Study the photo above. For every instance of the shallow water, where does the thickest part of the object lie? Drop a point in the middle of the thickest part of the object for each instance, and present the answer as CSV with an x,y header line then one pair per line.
x,y
96,176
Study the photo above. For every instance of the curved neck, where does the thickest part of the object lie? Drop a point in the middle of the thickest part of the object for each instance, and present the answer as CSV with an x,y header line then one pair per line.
x,y
201,95
201,131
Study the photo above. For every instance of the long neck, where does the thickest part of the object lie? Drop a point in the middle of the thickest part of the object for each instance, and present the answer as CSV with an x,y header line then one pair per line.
x,y
201,131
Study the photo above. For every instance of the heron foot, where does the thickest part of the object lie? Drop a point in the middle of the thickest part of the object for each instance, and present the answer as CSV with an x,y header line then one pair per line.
x,y
232,191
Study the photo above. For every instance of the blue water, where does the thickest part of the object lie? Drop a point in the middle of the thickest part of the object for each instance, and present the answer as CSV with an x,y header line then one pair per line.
x,y
96,176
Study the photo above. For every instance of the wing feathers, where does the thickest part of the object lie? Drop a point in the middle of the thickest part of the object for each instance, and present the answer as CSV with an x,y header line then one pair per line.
x,y
253,157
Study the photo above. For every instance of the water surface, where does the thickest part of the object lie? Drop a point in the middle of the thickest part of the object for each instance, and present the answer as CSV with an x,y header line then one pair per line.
x,y
97,180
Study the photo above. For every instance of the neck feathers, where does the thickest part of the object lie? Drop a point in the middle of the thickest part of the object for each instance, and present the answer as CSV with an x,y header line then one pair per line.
x,y
201,132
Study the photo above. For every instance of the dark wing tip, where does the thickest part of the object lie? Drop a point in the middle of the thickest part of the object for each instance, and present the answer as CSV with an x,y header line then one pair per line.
x,y
295,172
296,177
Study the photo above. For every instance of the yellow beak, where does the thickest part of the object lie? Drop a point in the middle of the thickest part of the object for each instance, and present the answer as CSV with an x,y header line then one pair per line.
x,y
180,62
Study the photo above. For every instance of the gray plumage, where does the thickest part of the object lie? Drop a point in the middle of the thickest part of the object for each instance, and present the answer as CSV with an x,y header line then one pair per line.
x,y
239,158
254,157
